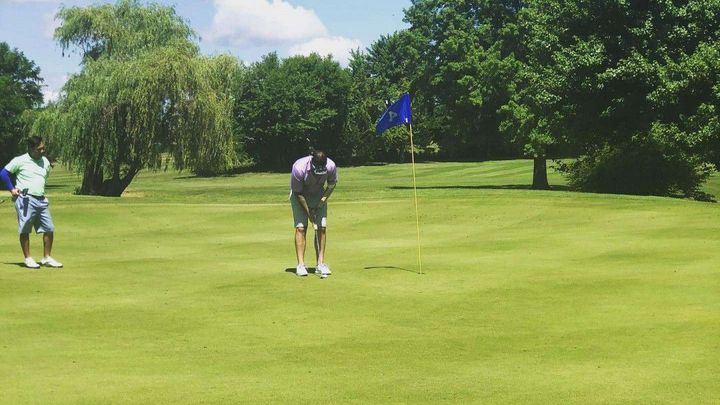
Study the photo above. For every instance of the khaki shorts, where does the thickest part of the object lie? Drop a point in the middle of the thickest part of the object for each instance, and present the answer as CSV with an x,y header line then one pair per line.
x,y
300,219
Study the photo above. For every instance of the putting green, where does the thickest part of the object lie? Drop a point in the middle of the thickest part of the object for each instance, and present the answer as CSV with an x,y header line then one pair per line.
x,y
178,293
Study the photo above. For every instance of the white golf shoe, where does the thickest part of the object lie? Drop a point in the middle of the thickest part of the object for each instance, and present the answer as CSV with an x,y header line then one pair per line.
x,y
31,263
50,262
300,270
322,270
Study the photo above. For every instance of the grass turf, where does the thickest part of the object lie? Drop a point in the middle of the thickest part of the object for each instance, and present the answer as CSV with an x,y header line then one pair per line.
x,y
179,292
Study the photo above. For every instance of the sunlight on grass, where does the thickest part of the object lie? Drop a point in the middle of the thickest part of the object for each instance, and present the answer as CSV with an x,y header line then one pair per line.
x,y
178,293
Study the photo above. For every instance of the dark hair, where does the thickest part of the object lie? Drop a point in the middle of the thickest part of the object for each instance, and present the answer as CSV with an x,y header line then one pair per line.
x,y
319,162
319,157
33,142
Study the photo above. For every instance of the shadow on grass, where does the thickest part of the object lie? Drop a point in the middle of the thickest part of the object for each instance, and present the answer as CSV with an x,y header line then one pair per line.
x,y
292,270
19,264
483,187
312,270
699,196
390,268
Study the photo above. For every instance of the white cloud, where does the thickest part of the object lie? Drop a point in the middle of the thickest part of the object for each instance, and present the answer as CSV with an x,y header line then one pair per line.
x,y
262,22
53,87
49,95
338,47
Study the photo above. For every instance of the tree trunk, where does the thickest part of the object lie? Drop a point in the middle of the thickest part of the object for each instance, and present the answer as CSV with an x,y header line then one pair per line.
x,y
93,176
115,186
92,181
540,180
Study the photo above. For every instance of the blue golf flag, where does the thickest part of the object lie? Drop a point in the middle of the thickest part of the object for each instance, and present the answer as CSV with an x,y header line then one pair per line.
x,y
397,114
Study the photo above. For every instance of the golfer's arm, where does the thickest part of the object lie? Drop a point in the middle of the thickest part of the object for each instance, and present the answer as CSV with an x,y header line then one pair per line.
x,y
303,203
328,191
5,175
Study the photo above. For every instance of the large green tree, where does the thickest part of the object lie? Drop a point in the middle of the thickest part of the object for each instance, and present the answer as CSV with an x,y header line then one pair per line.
x,y
631,85
527,116
359,144
20,85
144,93
467,68
381,74
281,104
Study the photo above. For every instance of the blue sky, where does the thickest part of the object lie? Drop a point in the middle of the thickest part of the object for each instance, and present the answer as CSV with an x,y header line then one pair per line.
x,y
246,29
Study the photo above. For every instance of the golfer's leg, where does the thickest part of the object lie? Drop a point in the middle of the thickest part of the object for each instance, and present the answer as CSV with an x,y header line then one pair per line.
x,y
322,234
46,225
48,242
25,244
24,226
300,222
300,245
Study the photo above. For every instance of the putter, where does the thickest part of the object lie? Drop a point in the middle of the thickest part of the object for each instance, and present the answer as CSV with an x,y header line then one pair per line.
x,y
317,240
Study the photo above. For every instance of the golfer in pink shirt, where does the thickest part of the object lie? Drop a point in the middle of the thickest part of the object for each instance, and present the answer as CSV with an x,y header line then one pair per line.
x,y
312,181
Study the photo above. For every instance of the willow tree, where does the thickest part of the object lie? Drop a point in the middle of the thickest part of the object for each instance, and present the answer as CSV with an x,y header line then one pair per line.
x,y
144,93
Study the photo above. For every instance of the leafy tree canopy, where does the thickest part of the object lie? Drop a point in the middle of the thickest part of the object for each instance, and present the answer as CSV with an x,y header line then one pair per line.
x,y
617,80
20,85
283,103
467,51
143,91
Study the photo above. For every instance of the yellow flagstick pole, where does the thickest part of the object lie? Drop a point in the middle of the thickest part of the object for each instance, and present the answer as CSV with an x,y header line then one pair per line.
x,y
417,215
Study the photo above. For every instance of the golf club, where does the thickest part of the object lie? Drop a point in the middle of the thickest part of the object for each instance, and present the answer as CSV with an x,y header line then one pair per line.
x,y
316,240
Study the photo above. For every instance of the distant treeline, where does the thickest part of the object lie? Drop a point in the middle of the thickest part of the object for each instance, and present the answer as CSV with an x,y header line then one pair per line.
x,y
628,89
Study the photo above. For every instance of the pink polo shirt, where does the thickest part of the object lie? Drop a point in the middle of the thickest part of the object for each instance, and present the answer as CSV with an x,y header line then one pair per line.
x,y
302,179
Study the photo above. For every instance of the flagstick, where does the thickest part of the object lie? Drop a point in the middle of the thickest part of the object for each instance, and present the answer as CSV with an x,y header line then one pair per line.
x,y
417,215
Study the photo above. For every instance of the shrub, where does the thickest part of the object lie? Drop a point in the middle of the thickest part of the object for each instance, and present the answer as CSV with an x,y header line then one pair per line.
x,y
638,168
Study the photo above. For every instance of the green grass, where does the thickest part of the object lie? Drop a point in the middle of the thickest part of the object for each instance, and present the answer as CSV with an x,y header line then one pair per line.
x,y
178,293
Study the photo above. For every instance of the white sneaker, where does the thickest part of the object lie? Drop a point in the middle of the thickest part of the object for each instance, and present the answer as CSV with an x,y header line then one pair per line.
x,y
31,263
325,268
300,270
322,270
50,262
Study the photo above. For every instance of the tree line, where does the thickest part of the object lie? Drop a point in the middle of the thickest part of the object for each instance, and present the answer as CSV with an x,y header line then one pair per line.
x,y
627,90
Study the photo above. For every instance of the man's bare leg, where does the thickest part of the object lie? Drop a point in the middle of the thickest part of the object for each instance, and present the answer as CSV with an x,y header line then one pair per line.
x,y
48,238
25,244
320,250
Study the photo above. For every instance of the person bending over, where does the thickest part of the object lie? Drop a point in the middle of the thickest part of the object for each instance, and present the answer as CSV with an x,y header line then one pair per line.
x,y
308,198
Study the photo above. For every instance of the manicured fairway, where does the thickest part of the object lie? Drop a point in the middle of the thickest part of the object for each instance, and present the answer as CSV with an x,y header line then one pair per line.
x,y
178,293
